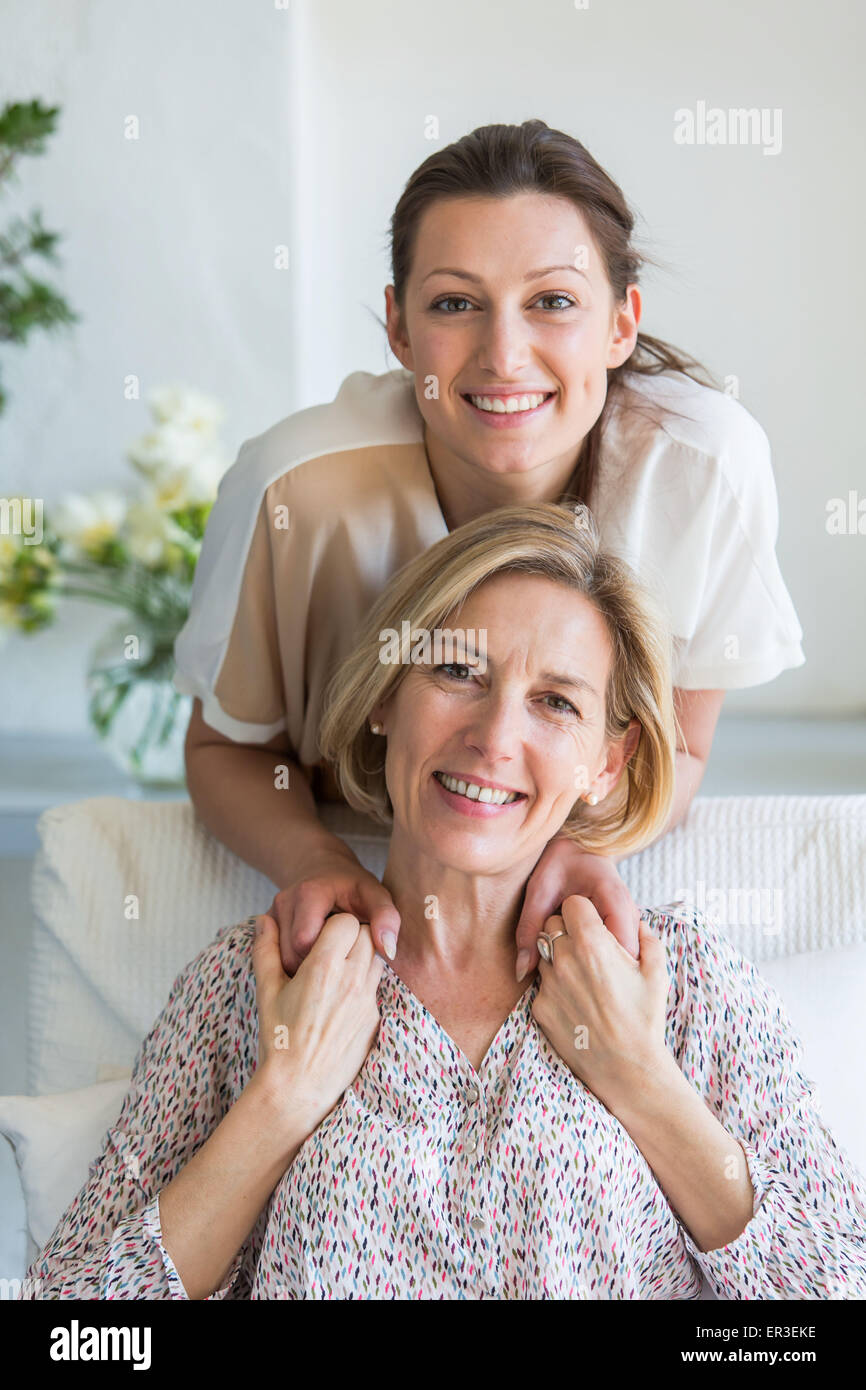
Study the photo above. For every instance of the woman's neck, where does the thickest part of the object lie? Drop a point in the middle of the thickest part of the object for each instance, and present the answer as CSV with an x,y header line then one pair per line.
x,y
453,923
466,492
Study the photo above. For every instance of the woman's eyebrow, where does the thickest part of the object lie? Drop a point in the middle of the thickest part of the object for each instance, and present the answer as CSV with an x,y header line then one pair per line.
x,y
575,682
476,279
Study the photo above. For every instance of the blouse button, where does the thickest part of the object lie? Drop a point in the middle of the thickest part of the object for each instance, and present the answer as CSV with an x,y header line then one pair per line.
x,y
477,1223
472,1095
471,1146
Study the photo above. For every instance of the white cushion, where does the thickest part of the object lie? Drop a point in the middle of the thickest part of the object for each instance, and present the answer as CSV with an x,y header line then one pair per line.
x,y
99,975
55,1139
779,875
823,994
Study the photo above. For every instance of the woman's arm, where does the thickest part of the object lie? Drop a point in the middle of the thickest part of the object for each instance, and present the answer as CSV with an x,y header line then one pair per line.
x,y
198,1132
207,1212
216,1112
698,713
243,802
700,1167
793,1224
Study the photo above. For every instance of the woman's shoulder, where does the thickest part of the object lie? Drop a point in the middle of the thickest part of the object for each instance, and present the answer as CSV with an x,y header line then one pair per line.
x,y
679,921
682,450
221,972
209,1021
369,413
670,408
727,1027
689,933
709,977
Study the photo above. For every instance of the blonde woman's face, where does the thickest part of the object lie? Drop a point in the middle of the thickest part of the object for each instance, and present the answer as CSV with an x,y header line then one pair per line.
x,y
531,725
481,321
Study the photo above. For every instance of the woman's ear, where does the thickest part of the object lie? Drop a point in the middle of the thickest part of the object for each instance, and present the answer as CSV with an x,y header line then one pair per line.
x,y
624,330
618,755
631,740
376,720
396,330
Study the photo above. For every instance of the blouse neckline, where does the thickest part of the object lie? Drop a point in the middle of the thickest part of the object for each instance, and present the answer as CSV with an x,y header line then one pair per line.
x,y
417,1016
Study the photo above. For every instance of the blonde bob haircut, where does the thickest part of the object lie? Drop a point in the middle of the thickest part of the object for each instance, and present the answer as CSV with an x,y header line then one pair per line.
x,y
563,546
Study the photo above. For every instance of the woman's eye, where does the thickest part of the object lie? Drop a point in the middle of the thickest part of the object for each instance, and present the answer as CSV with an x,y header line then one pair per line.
x,y
563,706
449,668
449,299
566,299
459,672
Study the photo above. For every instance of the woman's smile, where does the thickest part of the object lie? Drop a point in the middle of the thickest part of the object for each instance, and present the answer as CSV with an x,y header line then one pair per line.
x,y
500,410
479,798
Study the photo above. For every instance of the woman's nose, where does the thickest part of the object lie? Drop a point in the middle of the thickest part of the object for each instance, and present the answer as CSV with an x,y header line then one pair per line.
x,y
496,731
504,343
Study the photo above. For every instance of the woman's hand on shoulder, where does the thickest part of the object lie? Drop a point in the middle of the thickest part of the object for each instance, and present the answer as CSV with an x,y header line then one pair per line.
x,y
316,1028
333,881
565,870
603,1011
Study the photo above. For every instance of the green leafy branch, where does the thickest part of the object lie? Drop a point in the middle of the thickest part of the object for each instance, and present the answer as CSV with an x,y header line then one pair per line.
x,y
26,301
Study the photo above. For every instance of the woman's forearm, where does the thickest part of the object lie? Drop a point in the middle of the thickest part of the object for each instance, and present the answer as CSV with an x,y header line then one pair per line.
x,y
689,773
701,1168
208,1210
240,794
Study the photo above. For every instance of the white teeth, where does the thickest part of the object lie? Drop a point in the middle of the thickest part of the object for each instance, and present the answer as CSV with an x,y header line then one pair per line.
x,y
509,405
476,793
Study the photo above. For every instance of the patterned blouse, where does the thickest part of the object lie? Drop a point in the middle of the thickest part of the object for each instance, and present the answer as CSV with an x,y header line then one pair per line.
x,y
432,1180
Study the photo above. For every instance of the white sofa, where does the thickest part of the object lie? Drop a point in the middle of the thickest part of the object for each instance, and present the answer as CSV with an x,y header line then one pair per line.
x,y
126,892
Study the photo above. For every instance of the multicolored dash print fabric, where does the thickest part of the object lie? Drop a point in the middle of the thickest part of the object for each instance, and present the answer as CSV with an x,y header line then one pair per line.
x,y
431,1180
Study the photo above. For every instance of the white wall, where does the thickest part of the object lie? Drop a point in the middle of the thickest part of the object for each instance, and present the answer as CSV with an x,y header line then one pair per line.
x,y
262,127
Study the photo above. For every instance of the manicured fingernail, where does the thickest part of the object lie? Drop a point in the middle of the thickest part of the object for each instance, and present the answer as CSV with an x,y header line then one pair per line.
x,y
522,963
389,941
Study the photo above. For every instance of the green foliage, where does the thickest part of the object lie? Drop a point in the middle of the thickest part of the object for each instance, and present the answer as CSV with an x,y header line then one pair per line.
x,y
26,301
29,585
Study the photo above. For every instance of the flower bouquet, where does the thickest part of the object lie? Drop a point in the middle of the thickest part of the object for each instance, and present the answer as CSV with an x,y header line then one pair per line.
x,y
137,552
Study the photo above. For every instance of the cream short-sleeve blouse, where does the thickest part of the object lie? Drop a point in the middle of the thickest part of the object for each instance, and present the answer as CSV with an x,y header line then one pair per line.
x,y
319,511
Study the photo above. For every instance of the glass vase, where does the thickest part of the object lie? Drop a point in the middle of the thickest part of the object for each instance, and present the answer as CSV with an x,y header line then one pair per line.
x,y
137,714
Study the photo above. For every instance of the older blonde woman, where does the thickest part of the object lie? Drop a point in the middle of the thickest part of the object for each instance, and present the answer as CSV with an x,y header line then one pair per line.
x,y
431,1127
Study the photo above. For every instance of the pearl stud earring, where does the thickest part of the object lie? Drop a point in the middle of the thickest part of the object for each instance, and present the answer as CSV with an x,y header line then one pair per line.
x,y
592,799
375,728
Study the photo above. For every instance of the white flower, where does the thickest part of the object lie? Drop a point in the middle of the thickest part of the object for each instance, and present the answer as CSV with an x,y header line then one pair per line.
x,y
167,446
86,523
175,486
150,533
186,408
182,466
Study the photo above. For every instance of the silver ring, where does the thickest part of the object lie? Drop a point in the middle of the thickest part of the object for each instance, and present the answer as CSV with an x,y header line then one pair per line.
x,y
545,944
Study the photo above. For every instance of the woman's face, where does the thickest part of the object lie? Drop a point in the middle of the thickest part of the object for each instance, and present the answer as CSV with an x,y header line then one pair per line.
x,y
531,723
481,321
